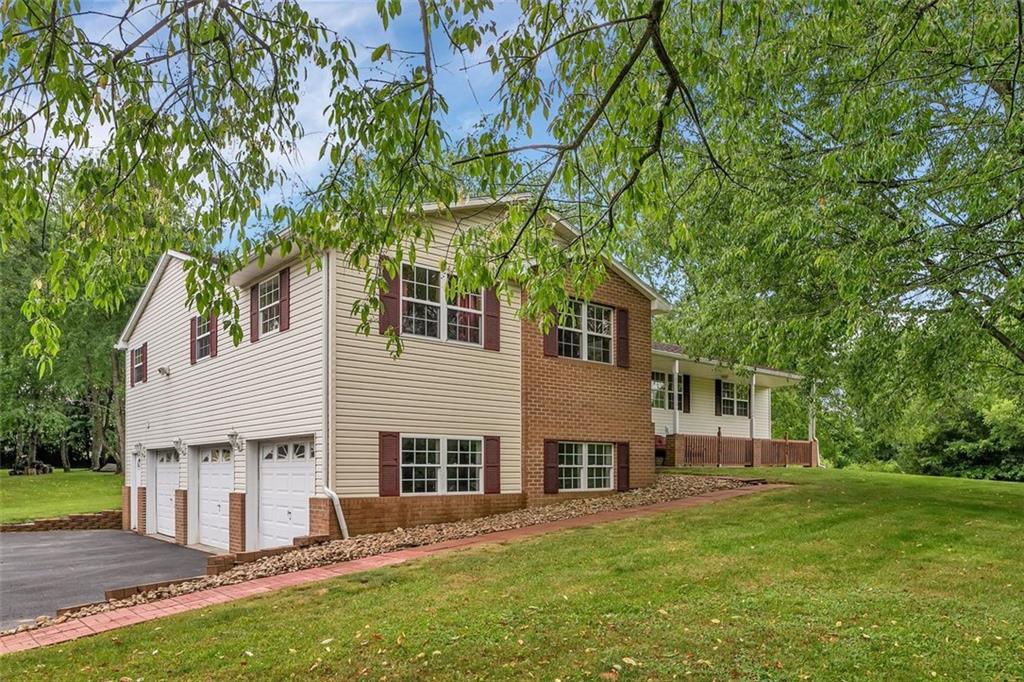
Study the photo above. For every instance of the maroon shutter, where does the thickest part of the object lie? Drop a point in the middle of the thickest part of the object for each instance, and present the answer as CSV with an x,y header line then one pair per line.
x,y
213,335
285,298
254,313
551,338
492,464
388,463
192,341
390,312
492,320
131,366
622,337
718,397
622,462
551,466
686,393
145,362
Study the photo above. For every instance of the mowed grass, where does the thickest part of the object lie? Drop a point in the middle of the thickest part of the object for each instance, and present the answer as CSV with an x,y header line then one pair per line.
x,y
23,498
848,575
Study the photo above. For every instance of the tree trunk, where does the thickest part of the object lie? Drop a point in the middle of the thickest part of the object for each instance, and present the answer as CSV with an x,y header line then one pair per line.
x,y
99,432
64,462
33,442
116,407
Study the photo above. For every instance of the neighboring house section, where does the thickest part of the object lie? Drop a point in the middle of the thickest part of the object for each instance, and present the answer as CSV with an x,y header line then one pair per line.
x,y
248,447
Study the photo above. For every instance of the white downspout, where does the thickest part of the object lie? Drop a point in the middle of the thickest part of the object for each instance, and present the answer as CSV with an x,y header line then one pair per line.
x,y
329,386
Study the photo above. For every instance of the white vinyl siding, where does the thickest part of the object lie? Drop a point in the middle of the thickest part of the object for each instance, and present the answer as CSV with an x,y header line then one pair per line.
x,y
432,388
271,389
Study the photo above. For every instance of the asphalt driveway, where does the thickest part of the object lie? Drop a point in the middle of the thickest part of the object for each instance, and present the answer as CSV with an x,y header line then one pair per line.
x,y
42,572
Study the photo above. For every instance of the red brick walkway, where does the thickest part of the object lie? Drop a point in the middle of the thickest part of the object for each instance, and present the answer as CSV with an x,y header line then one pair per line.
x,y
130,615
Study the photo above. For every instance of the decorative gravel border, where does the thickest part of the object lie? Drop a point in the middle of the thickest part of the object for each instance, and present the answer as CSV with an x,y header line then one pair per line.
x,y
666,488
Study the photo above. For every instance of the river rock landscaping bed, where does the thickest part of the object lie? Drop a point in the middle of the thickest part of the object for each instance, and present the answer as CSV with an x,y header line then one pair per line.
x,y
665,489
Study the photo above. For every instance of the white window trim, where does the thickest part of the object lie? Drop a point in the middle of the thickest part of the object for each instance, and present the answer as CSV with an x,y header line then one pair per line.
x,y
138,365
585,333
664,392
584,478
208,334
443,307
442,476
260,308
735,400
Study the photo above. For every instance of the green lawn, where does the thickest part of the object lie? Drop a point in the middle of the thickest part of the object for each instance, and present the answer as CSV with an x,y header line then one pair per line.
x,y
849,575
23,498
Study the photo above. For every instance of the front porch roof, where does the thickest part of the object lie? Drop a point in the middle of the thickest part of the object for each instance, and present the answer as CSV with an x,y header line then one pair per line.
x,y
664,355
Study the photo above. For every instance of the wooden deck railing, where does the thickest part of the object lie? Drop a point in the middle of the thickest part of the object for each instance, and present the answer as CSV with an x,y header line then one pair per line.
x,y
686,449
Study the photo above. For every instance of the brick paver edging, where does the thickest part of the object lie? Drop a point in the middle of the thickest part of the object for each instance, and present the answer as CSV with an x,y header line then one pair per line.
x,y
131,615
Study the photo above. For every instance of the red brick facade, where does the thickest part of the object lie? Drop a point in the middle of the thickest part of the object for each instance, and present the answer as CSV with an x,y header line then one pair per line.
x,y
236,522
126,507
379,514
142,509
181,517
568,399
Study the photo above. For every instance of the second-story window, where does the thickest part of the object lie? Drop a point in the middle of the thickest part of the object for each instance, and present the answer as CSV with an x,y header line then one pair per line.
x,y
735,399
270,304
138,365
204,345
428,310
585,332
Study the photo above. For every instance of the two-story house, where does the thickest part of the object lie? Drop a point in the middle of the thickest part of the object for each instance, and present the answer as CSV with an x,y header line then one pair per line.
x,y
306,421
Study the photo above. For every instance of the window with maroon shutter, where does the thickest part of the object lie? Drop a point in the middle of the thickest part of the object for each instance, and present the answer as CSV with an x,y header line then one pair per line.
x,y
686,393
492,320
390,313
622,466
586,332
138,365
145,362
200,338
492,464
718,397
622,337
551,466
388,469
254,313
551,337
285,298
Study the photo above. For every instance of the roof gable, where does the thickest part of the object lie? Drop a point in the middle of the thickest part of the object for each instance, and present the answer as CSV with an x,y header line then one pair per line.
x,y
147,295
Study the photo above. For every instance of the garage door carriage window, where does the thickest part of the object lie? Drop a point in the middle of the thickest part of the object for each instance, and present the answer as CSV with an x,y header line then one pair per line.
x,y
214,455
435,464
167,457
283,452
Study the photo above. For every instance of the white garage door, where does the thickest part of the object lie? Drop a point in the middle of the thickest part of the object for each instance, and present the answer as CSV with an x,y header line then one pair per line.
x,y
166,484
215,482
286,484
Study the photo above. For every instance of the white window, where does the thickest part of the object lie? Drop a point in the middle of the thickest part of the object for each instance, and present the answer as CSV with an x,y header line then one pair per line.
x,y
203,337
428,309
584,466
735,399
434,464
138,365
269,293
585,332
659,389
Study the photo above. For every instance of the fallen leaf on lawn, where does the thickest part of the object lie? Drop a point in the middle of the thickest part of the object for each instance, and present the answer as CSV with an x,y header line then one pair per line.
x,y
628,661
327,641
715,621
663,612
291,650
610,675
248,653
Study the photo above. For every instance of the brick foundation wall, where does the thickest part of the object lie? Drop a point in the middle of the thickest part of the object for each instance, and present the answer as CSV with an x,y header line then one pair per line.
x,y
105,520
379,514
568,399
181,516
236,522
126,507
142,510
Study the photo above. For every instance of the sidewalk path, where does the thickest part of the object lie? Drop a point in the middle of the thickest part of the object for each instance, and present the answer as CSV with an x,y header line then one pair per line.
x,y
131,615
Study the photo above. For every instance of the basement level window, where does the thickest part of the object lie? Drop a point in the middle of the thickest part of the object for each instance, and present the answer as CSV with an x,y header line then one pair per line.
x,y
584,466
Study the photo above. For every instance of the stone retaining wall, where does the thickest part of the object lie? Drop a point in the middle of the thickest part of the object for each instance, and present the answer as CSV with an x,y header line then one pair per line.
x,y
104,520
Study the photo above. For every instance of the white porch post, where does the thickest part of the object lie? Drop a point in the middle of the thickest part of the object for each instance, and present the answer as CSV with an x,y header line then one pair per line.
x,y
812,417
679,393
750,403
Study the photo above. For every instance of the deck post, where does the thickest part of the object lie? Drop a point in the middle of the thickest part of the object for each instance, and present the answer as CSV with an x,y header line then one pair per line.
x,y
785,450
718,447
